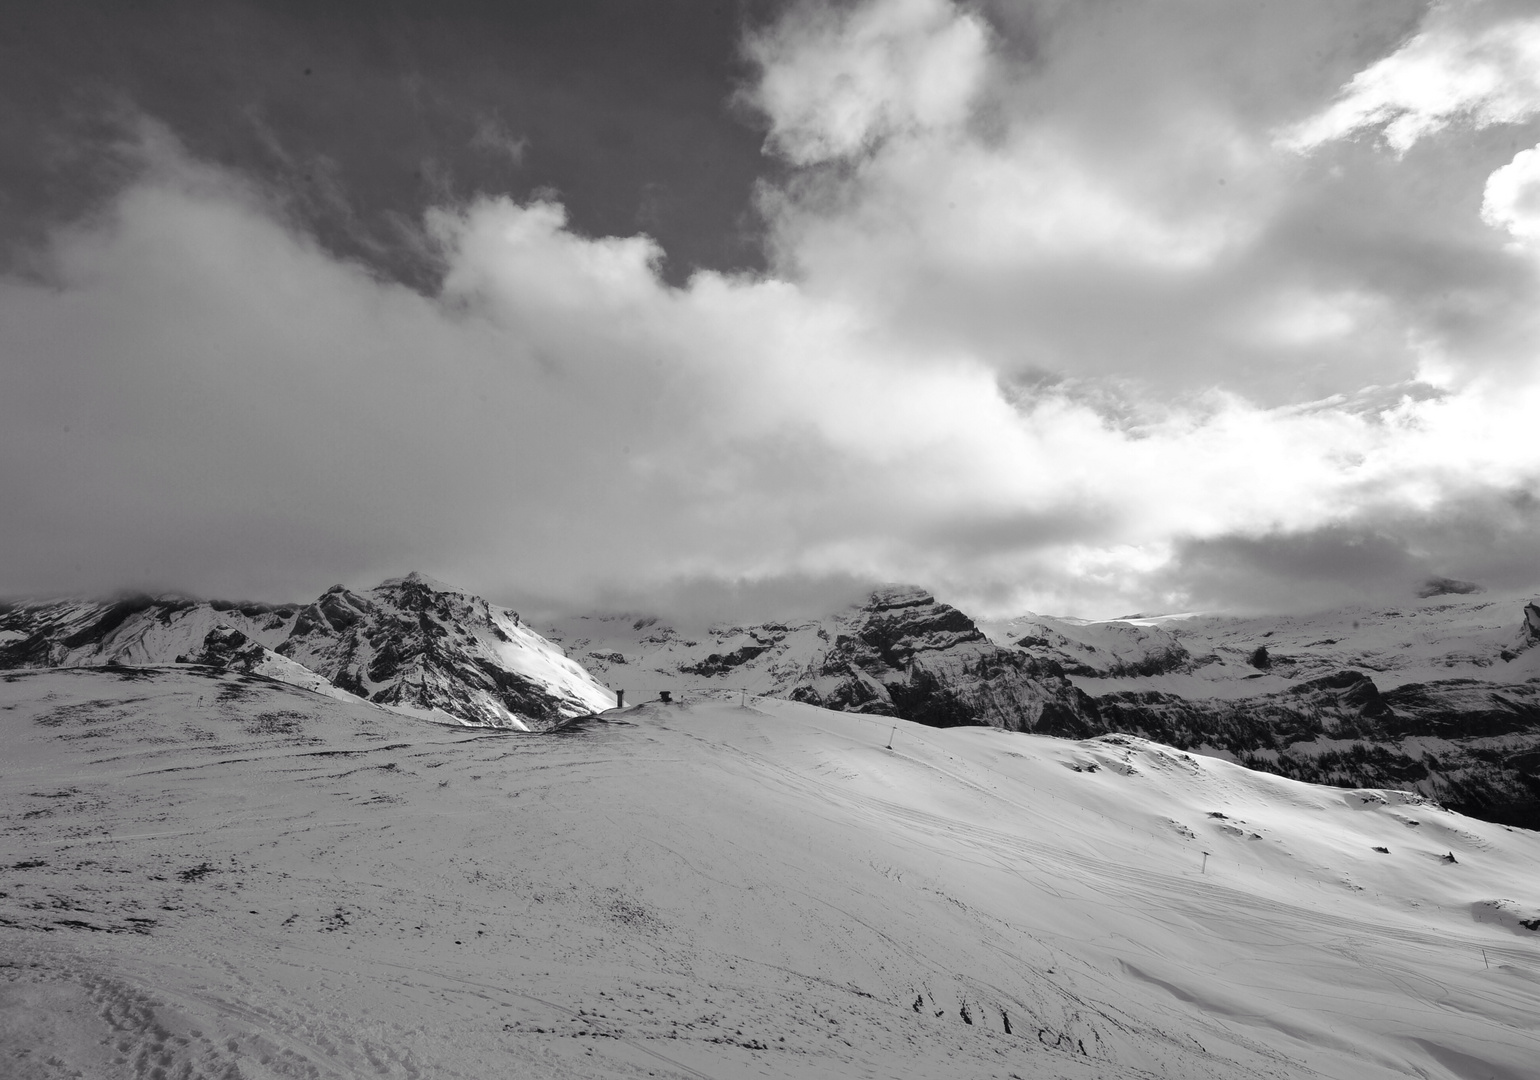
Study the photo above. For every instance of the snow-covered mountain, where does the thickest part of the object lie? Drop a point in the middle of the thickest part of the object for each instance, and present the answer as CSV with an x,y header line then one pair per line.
x,y
1441,696
416,643
1488,638
901,654
210,874
410,643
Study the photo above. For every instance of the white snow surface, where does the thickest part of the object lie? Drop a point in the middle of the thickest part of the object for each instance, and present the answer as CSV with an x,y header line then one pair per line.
x,y
209,874
643,655
1423,640
156,636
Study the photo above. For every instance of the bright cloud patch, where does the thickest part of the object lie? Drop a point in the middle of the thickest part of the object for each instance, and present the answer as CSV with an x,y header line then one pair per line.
x,y
1470,62
836,83
1512,197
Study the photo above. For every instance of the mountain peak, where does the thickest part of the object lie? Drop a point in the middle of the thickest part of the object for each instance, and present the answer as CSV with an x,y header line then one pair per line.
x,y
886,597
411,643
417,578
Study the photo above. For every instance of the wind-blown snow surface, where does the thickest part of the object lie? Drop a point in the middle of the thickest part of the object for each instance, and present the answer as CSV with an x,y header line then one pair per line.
x,y
215,874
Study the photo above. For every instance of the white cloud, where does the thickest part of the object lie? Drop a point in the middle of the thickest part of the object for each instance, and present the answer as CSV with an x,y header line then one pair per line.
x,y
209,398
201,397
1472,61
835,83
1065,194
1511,200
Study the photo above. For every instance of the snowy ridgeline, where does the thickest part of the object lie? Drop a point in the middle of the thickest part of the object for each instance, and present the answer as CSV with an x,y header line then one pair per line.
x,y
410,644
214,874
1440,696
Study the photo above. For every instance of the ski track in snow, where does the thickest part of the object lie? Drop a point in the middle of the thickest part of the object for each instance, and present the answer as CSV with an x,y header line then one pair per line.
x,y
206,875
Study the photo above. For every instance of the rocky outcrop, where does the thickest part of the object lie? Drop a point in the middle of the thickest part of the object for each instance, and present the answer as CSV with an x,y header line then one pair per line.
x,y
226,647
415,643
229,649
904,654
1472,746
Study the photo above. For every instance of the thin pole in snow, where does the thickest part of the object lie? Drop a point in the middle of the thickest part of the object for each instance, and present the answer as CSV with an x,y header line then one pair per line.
x,y
1485,961
1205,862
890,736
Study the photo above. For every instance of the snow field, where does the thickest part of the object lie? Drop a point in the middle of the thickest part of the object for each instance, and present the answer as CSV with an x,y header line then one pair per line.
x,y
215,875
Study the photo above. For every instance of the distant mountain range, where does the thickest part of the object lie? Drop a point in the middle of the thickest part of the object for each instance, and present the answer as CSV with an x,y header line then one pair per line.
x,y
1441,697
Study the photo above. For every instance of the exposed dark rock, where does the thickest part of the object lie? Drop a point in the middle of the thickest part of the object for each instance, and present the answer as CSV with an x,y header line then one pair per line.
x,y
1155,662
226,647
337,610
904,654
721,663
1489,737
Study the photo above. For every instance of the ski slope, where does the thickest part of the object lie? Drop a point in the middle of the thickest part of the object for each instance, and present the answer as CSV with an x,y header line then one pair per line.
x,y
209,874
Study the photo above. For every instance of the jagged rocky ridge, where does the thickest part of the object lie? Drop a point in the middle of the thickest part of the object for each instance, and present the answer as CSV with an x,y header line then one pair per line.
x,y
411,643
904,654
900,654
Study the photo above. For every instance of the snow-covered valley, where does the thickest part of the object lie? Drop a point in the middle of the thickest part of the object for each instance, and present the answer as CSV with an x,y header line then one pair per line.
x,y
211,873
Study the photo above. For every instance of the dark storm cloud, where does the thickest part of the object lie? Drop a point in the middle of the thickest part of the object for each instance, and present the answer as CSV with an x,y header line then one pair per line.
x,y
1487,538
361,114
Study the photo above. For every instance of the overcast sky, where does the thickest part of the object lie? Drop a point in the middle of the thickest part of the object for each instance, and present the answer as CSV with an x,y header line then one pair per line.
x,y
1074,307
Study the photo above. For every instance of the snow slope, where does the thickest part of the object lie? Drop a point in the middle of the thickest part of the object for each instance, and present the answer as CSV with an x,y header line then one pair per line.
x,y
215,874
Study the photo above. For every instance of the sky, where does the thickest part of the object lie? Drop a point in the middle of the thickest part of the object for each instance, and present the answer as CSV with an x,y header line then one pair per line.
x,y
1081,308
